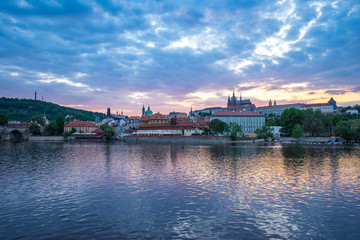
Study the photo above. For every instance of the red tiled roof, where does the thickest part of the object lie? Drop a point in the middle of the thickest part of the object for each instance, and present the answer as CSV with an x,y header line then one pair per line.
x,y
181,125
145,118
283,105
236,113
157,116
80,124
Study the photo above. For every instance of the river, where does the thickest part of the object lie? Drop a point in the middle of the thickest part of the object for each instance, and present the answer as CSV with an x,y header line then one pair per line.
x,y
178,191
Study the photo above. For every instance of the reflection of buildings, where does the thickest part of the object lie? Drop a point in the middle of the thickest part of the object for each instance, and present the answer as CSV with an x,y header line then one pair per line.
x,y
249,121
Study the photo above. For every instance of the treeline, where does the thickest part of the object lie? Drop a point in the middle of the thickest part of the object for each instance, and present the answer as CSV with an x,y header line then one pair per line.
x,y
295,122
24,109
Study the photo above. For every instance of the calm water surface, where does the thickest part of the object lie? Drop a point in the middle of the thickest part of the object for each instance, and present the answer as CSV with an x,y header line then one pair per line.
x,y
178,191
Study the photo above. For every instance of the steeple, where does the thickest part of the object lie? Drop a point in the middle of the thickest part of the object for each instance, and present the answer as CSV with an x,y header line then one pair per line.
x,y
275,102
233,96
270,103
35,95
143,111
240,98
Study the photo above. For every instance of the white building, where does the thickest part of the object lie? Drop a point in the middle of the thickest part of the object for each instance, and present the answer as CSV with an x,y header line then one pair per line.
x,y
249,121
325,108
352,111
277,109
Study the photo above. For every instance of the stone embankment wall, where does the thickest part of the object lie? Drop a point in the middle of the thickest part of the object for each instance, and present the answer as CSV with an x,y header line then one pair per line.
x,y
46,138
179,139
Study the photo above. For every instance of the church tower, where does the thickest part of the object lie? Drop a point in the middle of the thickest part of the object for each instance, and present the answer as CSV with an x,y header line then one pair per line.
x,y
270,103
275,102
143,111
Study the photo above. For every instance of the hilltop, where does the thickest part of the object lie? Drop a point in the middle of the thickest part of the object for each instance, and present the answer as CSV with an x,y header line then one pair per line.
x,y
24,109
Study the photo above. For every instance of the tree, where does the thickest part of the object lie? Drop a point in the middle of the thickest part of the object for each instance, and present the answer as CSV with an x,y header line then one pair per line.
x,y
60,125
35,129
73,130
297,131
51,128
345,130
234,129
104,126
335,119
289,118
314,121
39,119
264,133
217,126
3,119
109,133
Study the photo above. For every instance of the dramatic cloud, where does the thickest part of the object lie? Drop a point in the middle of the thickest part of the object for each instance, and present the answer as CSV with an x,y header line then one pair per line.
x,y
172,55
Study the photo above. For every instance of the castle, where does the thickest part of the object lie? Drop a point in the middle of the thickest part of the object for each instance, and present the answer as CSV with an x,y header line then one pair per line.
x,y
233,102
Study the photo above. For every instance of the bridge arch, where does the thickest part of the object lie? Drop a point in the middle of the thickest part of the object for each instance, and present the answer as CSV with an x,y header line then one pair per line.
x,y
16,136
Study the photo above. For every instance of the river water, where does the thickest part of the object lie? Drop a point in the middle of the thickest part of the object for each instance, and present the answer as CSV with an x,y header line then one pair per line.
x,y
178,191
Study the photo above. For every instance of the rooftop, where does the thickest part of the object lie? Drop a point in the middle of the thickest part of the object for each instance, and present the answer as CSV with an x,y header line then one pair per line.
x,y
236,113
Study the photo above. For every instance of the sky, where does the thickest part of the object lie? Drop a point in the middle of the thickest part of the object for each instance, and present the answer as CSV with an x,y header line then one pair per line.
x,y
174,55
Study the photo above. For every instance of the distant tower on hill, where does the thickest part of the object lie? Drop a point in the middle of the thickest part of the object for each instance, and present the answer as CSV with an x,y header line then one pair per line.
x,y
108,112
35,95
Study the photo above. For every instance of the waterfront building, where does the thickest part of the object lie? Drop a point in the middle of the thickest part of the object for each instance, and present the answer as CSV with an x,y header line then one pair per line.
x,y
176,127
249,121
86,127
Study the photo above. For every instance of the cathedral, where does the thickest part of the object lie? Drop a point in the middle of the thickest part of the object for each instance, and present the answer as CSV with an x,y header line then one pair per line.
x,y
233,102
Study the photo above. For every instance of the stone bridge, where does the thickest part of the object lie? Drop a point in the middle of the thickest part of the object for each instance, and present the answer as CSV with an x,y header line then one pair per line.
x,y
14,133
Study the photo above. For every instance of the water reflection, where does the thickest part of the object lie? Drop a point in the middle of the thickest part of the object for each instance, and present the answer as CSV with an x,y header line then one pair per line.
x,y
172,191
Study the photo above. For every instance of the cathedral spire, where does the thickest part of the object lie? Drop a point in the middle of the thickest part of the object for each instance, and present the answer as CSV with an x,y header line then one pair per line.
x,y
270,103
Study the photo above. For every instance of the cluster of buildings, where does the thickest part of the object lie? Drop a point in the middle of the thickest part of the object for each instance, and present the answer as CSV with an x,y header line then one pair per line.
x,y
240,111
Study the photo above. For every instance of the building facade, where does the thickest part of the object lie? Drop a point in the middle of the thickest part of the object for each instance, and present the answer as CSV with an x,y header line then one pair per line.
x,y
172,128
249,121
86,127
277,109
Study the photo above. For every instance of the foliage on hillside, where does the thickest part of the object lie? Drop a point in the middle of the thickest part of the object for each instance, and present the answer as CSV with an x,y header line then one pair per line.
x,y
25,109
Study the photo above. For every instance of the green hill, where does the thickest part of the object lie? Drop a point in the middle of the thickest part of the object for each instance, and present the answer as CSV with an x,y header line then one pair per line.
x,y
23,109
